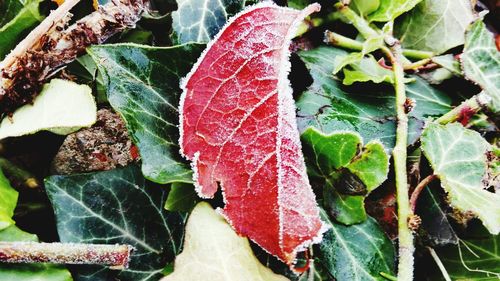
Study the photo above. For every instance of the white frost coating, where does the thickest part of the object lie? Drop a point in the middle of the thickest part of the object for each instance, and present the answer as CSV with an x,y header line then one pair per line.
x,y
285,104
62,108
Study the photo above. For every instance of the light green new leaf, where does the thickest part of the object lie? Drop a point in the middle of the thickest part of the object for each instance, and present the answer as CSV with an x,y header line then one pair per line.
x,y
62,107
355,253
345,169
450,63
458,157
213,251
367,69
8,202
391,9
29,272
364,7
182,197
329,106
473,259
117,207
17,17
435,26
481,61
199,20
143,86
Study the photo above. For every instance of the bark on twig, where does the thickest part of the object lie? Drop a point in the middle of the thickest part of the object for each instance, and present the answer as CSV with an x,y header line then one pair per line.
x,y
53,44
116,256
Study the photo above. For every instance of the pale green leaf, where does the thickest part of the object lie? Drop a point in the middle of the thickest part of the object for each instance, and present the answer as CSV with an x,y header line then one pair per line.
x,y
8,202
450,63
371,165
29,272
143,86
199,20
481,61
364,7
458,157
213,251
117,207
357,252
367,69
391,9
435,26
62,107
17,17
182,197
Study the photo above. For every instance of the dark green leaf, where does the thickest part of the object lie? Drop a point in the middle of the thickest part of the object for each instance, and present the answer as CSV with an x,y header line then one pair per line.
x,y
473,259
8,202
199,20
329,106
356,252
143,86
458,157
117,206
481,61
182,197
17,17
29,272
435,26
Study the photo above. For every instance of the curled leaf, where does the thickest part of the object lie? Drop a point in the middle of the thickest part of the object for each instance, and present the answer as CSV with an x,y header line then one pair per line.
x,y
239,130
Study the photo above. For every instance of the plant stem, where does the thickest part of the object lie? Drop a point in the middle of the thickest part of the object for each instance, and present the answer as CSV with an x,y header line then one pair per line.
x,y
342,41
418,190
439,264
468,107
406,247
417,64
116,256
359,23
18,174
388,276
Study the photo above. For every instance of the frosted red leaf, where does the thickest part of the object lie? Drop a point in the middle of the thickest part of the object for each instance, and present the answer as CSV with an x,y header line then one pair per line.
x,y
239,130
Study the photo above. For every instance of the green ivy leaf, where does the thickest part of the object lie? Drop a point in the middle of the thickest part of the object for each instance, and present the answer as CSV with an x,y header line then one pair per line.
x,y
345,171
199,20
182,197
472,259
143,86
117,206
367,69
329,106
458,157
357,252
391,9
435,26
8,202
365,7
29,272
481,61
17,18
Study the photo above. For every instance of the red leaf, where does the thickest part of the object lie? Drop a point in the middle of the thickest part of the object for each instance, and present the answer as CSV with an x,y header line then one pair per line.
x,y
239,130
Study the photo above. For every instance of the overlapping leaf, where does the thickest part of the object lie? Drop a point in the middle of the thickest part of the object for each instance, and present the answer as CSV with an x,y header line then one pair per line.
x,y
481,61
182,197
347,170
117,206
62,107
199,20
17,17
8,202
356,252
329,106
29,272
391,9
435,26
238,128
458,157
367,69
142,85
213,251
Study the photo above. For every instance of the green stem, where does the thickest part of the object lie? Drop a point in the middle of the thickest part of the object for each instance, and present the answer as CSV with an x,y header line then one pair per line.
x,y
12,171
406,247
417,64
470,106
439,263
353,18
388,276
341,41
